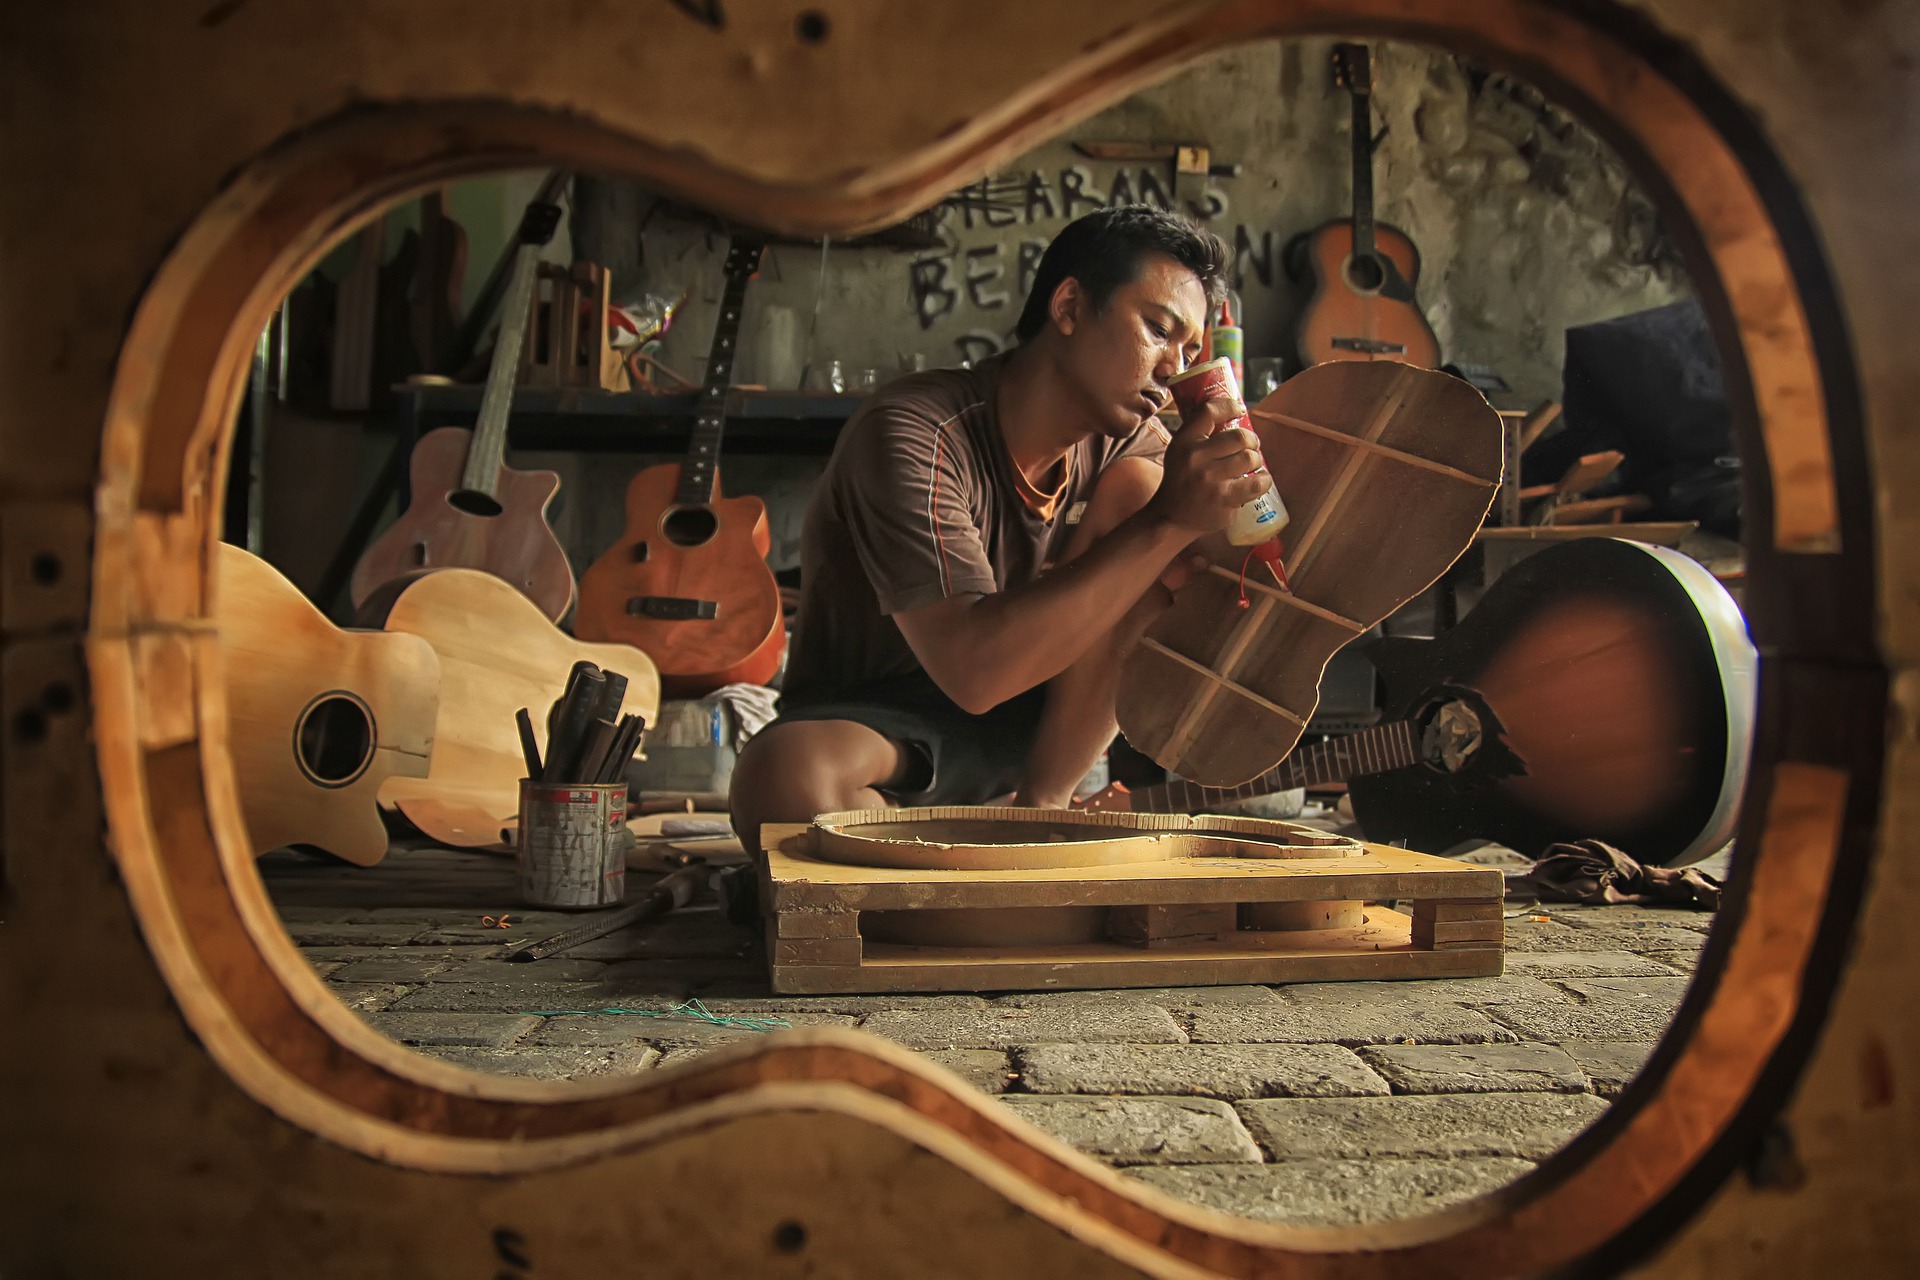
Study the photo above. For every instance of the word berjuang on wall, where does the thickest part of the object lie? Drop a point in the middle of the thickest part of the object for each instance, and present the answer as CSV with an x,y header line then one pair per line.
x,y
992,273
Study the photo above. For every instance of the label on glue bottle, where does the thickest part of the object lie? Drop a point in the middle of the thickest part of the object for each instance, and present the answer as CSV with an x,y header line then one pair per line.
x,y
1265,516
1257,521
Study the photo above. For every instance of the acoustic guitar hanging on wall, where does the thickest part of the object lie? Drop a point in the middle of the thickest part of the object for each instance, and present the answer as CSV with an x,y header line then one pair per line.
x,y
470,510
688,583
1363,305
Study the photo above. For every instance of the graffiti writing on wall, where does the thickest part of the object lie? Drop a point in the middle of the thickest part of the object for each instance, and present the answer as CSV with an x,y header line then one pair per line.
x,y
990,273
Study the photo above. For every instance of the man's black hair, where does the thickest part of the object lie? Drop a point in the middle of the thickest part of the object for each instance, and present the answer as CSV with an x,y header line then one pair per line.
x,y
1103,251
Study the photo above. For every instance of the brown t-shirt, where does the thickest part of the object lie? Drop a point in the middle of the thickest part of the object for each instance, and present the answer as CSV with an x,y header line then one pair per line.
x,y
922,502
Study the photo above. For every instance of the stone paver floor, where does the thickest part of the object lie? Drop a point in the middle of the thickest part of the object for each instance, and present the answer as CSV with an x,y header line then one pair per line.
x,y
1313,1104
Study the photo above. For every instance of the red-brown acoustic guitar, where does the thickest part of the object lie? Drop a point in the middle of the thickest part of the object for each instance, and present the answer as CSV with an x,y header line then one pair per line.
x,y
688,583
469,509
1363,305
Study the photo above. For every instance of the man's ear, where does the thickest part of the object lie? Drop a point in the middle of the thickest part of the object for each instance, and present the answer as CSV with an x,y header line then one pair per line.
x,y
1068,305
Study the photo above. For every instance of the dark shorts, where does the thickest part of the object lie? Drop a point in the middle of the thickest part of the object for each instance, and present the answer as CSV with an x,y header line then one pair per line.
x,y
952,757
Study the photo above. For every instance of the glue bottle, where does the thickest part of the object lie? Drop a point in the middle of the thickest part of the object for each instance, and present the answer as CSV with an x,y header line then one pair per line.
x,y
1228,341
1257,524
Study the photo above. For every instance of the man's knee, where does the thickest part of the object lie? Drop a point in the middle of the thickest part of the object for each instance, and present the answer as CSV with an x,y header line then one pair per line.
x,y
794,770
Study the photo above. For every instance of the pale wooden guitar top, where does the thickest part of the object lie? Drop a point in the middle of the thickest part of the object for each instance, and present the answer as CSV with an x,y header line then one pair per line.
x,y
498,653
283,661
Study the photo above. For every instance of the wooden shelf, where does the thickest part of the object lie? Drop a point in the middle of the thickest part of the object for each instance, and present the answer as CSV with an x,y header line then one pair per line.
x,y
630,422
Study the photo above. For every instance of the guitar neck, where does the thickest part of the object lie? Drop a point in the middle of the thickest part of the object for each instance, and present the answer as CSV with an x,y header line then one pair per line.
x,y
1362,174
1380,749
488,449
699,473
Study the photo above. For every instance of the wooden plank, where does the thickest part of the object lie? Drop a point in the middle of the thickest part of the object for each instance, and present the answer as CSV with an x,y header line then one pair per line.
x,y
1429,932
818,924
1455,909
1159,924
785,951
824,886
1057,969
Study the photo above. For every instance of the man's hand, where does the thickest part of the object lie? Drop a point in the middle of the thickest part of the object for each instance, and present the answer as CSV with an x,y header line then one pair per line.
x,y
1210,472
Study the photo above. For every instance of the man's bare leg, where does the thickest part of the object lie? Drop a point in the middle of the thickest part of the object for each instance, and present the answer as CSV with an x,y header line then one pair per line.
x,y
792,771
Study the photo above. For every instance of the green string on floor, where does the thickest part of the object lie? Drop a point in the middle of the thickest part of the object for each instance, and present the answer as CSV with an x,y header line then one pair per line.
x,y
693,1009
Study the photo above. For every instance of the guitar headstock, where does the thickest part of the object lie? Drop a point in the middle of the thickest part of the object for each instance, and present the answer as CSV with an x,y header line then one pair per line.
x,y
1353,68
539,222
743,257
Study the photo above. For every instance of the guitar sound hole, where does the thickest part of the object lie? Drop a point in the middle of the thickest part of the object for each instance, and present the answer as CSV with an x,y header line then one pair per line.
x,y
1365,274
333,741
474,503
689,526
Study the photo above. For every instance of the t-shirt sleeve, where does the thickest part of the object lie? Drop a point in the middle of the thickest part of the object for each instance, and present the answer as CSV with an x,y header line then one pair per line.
x,y
1149,442
907,493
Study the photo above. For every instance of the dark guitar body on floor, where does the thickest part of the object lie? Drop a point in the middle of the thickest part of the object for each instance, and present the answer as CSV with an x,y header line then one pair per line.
x,y
1615,685
1601,689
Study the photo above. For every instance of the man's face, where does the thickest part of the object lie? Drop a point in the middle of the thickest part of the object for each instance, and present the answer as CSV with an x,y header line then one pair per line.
x,y
1120,356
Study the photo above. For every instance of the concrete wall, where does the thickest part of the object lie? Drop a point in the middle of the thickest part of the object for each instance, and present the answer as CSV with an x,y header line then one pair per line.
x,y
1527,225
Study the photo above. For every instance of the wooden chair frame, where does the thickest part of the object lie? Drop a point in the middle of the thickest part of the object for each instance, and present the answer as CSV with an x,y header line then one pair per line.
x,y
817,1141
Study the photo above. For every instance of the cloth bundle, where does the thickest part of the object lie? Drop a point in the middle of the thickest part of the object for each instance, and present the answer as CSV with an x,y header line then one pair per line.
x,y
1598,874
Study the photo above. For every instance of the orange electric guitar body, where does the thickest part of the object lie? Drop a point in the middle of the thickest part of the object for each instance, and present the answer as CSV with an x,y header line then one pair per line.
x,y
688,582
689,586
1364,272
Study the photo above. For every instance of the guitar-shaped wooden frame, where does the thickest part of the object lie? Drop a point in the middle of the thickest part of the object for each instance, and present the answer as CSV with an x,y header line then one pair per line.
x,y
688,581
469,509
1363,305
1601,689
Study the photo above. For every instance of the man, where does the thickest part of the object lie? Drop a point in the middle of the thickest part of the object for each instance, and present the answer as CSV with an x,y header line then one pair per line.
x,y
985,544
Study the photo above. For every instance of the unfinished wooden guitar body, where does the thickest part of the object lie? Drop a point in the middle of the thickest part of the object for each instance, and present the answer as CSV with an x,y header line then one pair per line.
x,y
319,718
498,653
1386,471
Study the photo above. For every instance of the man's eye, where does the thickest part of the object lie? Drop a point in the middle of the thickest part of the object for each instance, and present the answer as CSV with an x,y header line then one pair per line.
x,y
1158,331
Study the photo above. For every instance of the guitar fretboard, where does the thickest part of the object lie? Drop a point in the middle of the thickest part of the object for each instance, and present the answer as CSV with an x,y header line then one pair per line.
x,y
700,470
1360,86
488,448
1377,750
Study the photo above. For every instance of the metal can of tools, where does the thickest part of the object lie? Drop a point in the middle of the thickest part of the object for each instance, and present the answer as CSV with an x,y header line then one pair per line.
x,y
572,850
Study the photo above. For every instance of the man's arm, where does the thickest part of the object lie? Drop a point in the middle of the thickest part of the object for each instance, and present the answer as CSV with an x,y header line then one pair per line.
x,y
1078,722
982,650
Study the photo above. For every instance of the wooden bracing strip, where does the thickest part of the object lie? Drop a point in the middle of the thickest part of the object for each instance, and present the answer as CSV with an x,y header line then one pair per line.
x,y
1375,447
1307,545
1221,682
1287,598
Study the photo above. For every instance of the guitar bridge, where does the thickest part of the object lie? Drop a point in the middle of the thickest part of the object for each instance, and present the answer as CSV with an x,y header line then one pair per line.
x,y
1372,346
673,608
